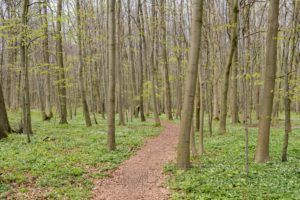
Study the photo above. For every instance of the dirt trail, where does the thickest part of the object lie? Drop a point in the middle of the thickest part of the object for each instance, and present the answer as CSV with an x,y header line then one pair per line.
x,y
141,177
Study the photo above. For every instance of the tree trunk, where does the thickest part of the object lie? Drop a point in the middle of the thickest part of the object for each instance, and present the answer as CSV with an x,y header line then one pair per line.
x,y
46,56
141,84
223,114
183,151
234,96
112,69
202,107
262,148
166,62
119,65
131,50
193,142
26,125
86,113
197,105
62,90
4,124
287,113
152,65
287,69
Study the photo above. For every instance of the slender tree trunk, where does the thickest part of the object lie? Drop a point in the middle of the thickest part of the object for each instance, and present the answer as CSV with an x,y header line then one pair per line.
x,y
141,84
119,65
287,69
86,113
46,56
197,106
287,113
193,142
41,95
201,114
4,124
27,127
152,65
183,150
262,148
131,62
234,96
62,90
112,69
165,61
223,114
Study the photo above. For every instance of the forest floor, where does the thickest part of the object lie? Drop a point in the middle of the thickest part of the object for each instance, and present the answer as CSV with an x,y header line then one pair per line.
x,y
142,177
64,161
220,172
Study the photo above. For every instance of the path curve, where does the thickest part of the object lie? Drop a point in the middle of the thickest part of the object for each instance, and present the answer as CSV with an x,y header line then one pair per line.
x,y
141,177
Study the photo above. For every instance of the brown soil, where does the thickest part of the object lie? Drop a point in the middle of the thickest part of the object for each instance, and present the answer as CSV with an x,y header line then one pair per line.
x,y
141,177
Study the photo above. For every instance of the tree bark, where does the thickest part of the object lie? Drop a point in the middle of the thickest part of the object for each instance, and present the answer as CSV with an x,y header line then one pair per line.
x,y
183,151
112,79
152,65
26,125
46,56
134,90
223,114
141,84
86,113
62,90
262,148
287,69
234,96
119,65
4,124
166,62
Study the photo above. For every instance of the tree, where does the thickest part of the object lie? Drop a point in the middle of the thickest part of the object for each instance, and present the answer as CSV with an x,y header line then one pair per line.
x,y
46,55
86,113
152,63
141,64
287,70
62,90
4,124
262,148
234,40
183,151
119,64
111,143
133,85
26,125
165,61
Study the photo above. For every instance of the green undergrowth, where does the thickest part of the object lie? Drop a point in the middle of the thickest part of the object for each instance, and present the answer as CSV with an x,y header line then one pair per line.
x,y
219,174
62,161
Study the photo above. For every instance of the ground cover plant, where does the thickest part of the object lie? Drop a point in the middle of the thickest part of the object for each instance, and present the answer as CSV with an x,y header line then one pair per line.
x,y
62,161
219,174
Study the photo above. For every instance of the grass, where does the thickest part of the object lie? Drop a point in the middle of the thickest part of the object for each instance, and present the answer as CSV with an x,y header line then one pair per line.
x,y
63,160
219,174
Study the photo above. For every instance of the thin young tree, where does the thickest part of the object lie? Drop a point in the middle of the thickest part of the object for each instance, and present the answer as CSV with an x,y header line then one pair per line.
x,y
152,63
165,60
46,57
183,150
119,63
4,123
26,118
62,90
262,148
287,70
234,34
111,143
86,113
141,64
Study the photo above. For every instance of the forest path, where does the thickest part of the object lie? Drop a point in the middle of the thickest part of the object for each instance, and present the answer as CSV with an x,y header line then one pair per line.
x,y
141,177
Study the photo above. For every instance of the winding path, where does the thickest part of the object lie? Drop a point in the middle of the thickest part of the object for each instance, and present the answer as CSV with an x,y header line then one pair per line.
x,y
141,177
